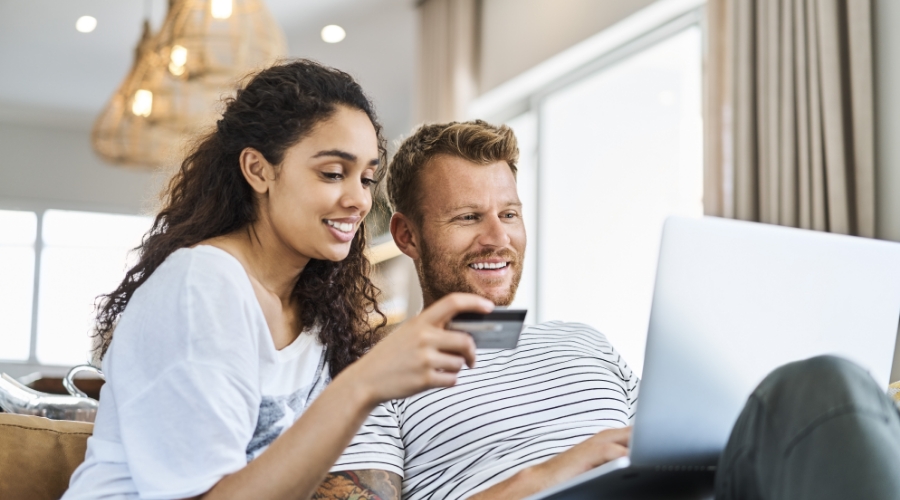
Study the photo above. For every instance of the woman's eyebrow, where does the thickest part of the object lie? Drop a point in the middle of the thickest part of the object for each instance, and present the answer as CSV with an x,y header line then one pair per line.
x,y
338,153
344,156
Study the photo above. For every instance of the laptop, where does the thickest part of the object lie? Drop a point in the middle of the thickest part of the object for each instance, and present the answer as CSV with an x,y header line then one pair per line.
x,y
733,301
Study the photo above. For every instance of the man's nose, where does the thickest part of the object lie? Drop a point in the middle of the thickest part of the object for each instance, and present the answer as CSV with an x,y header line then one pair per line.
x,y
494,233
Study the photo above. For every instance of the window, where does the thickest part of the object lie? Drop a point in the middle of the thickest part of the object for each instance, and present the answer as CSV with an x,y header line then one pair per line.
x,y
17,238
611,143
620,150
81,255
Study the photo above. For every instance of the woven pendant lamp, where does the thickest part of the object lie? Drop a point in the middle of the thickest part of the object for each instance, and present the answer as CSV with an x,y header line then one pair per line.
x,y
202,51
207,46
123,133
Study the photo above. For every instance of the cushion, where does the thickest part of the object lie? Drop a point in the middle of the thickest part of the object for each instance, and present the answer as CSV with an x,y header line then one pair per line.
x,y
38,455
894,391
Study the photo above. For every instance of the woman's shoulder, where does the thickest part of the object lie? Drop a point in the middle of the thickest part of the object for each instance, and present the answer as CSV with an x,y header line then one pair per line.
x,y
201,260
204,267
189,304
198,274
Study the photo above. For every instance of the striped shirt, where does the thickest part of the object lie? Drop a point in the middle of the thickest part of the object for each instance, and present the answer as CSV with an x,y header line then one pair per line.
x,y
516,408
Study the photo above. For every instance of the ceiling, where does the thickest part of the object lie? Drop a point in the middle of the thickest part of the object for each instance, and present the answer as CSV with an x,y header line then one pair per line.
x,y
50,74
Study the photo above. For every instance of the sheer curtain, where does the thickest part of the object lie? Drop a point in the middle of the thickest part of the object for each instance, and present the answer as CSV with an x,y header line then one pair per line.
x,y
789,113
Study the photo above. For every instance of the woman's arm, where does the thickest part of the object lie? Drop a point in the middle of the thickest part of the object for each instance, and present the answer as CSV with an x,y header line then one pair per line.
x,y
420,355
296,462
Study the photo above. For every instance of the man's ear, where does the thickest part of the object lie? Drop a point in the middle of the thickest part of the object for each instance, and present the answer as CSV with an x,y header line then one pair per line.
x,y
405,235
257,170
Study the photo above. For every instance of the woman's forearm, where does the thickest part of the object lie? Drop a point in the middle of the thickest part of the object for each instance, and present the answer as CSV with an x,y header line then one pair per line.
x,y
419,355
294,464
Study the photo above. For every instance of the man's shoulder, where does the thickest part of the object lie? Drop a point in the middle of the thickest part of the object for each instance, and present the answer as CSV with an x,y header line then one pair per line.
x,y
556,327
560,334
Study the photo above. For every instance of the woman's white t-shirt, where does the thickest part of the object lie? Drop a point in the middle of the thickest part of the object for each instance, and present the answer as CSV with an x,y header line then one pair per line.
x,y
195,387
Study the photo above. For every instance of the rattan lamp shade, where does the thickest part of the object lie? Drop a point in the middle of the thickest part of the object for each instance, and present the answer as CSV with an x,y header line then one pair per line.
x,y
204,48
122,134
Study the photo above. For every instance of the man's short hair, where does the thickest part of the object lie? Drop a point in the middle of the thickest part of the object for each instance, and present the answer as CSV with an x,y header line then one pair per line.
x,y
476,141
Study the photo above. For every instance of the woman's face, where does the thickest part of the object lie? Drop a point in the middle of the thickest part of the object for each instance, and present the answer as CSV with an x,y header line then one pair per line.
x,y
322,190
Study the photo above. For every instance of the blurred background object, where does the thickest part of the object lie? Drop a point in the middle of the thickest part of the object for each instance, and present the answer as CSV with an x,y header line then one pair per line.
x,y
71,404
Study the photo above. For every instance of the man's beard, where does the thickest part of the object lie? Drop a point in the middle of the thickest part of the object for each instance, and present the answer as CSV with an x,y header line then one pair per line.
x,y
441,274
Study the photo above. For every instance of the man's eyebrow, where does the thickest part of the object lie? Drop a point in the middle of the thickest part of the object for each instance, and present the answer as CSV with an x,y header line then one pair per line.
x,y
473,206
463,207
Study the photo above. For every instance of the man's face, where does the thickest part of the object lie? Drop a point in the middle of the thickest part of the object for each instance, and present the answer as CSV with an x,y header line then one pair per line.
x,y
472,237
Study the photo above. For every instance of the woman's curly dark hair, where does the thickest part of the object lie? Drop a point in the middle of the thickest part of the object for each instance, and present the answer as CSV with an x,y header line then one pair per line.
x,y
209,197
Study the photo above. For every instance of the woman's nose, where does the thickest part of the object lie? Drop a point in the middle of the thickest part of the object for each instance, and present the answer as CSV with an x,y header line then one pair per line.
x,y
357,196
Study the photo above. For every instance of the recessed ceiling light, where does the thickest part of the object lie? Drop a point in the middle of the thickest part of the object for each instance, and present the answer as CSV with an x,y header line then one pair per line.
x,y
86,24
333,33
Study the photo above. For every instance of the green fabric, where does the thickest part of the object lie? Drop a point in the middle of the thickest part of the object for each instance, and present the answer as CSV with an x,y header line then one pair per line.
x,y
816,429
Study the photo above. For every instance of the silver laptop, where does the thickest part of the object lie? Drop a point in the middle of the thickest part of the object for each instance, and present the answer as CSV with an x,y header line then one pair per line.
x,y
733,301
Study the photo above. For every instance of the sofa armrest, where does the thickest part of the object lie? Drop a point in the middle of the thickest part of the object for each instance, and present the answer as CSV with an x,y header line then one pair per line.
x,y
38,455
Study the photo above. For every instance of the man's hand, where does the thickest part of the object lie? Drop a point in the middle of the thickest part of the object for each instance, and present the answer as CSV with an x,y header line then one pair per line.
x,y
593,452
359,485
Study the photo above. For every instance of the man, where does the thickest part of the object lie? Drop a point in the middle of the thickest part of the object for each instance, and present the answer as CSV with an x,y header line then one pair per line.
x,y
525,419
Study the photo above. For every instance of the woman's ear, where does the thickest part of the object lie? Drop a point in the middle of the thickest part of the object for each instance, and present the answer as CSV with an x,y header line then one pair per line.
x,y
405,236
257,170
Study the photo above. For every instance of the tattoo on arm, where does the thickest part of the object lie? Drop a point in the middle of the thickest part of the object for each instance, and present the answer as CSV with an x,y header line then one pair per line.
x,y
359,485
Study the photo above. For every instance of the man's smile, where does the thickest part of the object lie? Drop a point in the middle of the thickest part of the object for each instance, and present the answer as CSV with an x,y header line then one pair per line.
x,y
489,266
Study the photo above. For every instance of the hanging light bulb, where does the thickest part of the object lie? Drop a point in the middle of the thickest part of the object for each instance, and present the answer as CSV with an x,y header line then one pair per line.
x,y
177,60
142,104
221,9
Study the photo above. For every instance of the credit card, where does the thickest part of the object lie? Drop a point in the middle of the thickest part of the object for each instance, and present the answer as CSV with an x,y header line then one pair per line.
x,y
498,329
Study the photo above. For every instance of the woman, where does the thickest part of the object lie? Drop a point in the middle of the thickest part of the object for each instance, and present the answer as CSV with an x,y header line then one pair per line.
x,y
251,294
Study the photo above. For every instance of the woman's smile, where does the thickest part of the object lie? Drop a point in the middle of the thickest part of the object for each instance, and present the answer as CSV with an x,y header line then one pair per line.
x,y
344,229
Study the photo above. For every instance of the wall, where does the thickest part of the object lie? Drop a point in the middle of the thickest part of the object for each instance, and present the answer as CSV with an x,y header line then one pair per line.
x,y
54,166
887,125
518,34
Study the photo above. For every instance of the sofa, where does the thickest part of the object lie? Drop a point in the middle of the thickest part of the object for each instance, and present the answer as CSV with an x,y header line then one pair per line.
x,y
37,455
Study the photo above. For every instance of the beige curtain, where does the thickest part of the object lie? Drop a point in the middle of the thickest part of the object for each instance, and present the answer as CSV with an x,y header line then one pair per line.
x,y
789,113
448,37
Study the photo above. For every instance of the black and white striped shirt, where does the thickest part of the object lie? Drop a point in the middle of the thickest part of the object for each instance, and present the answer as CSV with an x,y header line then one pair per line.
x,y
516,408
